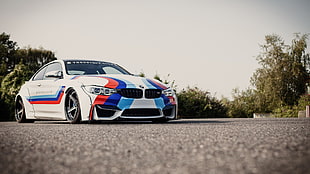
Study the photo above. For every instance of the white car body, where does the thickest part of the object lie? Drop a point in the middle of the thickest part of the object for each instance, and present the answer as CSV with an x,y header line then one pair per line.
x,y
57,92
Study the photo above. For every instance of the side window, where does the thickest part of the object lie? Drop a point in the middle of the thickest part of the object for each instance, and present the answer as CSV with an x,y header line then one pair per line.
x,y
53,71
40,74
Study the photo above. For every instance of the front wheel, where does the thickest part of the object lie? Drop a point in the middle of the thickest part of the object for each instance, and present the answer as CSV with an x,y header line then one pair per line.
x,y
72,108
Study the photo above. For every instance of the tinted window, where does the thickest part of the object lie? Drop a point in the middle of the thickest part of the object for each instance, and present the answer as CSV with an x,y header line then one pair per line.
x,y
40,74
56,67
93,67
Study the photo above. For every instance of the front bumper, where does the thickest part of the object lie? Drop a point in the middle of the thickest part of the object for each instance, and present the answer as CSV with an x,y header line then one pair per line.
x,y
136,109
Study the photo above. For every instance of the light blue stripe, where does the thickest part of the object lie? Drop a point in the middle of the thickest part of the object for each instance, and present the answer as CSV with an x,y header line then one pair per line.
x,y
148,84
46,96
128,84
125,103
159,103
42,96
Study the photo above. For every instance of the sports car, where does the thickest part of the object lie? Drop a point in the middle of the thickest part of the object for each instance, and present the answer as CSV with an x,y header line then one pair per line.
x,y
86,90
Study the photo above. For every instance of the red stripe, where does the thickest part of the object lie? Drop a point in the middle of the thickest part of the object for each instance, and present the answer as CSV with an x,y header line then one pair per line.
x,y
159,84
100,100
111,83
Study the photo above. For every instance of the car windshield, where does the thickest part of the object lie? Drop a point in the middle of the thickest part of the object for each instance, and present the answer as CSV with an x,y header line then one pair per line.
x,y
76,67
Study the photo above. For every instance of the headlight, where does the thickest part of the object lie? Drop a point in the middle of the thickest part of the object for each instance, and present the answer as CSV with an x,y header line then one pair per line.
x,y
99,90
168,92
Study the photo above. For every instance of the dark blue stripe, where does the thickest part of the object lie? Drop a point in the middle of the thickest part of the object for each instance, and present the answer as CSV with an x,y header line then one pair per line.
x,y
154,84
165,98
113,100
43,99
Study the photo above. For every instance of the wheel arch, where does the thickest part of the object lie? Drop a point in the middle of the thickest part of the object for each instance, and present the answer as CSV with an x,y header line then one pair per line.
x,y
69,90
17,97
84,100
28,107
28,111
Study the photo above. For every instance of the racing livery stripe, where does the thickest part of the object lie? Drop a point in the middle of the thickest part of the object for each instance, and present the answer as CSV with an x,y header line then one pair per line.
x,y
165,98
150,85
128,83
156,84
48,99
147,84
125,103
113,100
121,84
159,102
100,99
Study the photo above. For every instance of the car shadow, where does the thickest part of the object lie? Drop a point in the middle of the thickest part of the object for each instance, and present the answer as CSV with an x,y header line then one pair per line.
x,y
198,121
179,121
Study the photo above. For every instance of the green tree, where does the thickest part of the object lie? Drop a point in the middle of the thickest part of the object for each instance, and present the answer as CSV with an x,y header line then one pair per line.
x,y
292,111
9,88
283,76
17,66
303,102
11,55
35,58
7,54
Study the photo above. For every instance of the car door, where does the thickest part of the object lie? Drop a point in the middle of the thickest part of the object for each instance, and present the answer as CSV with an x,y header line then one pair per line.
x,y
46,92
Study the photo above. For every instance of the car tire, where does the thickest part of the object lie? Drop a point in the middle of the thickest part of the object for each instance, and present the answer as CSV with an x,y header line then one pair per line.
x,y
72,108
20,112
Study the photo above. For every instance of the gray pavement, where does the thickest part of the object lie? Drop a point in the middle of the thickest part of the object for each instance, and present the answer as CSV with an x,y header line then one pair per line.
x,y
181,146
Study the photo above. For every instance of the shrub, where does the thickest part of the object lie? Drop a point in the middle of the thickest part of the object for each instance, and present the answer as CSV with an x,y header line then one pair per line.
x,y
292,111
196,103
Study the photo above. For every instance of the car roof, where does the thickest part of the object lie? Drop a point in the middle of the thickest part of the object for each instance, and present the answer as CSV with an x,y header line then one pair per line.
x,y
83,60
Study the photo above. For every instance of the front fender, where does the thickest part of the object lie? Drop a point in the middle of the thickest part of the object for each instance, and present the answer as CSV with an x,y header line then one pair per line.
x,y
23,93
84,100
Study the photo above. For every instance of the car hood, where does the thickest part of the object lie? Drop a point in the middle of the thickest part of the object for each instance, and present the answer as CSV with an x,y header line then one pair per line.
x,y
119,81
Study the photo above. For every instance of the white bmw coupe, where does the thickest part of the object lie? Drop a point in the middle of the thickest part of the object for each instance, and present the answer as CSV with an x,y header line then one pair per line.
x,y
85,90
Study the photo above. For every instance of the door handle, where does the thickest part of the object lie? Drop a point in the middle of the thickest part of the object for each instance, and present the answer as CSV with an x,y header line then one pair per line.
x,y
39,85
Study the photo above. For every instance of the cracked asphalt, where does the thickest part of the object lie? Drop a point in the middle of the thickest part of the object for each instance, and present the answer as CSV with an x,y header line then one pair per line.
x,y
276,145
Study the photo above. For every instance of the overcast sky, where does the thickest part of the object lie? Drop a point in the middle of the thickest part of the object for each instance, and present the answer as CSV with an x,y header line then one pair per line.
x,y
211,44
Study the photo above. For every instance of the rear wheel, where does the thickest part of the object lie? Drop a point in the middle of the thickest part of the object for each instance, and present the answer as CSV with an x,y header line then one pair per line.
x,y
72,108
20,113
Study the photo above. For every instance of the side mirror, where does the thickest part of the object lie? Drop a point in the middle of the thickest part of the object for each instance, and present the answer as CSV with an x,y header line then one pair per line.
x,y
53,74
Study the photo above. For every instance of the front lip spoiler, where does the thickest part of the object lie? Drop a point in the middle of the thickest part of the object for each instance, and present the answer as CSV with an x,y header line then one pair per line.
x,y
142,118
118,114
123,118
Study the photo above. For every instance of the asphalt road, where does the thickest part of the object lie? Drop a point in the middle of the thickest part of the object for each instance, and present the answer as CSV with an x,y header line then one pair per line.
x,y
181,146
